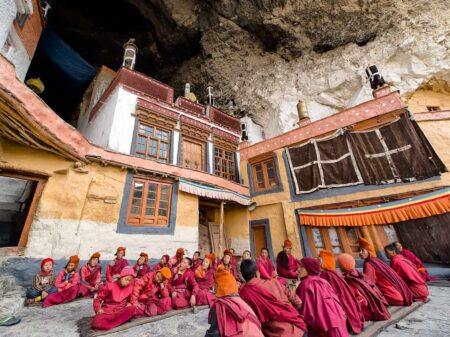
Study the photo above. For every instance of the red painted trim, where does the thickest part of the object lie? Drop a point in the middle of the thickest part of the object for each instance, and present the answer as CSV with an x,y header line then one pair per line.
x,y
432,116
345,118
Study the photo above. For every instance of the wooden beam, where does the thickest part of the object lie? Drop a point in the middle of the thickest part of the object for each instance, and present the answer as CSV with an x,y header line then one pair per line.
x,y
221,238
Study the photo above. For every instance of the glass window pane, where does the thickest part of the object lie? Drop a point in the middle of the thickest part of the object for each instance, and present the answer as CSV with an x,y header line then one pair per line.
x,y
152,187
149,211
137,202
135,210
317,237
137,194
150,203
260,177
334,238
162,212
151,195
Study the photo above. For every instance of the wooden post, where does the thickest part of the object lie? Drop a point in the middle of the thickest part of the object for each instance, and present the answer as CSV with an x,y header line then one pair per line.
x,y
366,234
376,239
221,239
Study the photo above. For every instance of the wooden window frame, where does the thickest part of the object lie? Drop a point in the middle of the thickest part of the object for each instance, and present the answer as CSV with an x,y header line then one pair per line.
x,y
203,154
147,143
267,186
142,217
342,235
40,180
225,173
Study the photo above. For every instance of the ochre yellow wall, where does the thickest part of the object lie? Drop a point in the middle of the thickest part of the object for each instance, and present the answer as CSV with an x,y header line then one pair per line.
x,y
187,210
278,208
422,98
236,227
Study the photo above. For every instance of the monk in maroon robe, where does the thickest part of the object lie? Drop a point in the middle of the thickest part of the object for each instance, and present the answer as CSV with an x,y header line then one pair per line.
x,y
320,308
369,297
196,261
141,267
227,262
150,293
270,304
355,316
204,275
115,266
164,262
286,264
266,268
112,305
183,288
67,282
409,255
407,271
176,260
391,285
230,316
90,276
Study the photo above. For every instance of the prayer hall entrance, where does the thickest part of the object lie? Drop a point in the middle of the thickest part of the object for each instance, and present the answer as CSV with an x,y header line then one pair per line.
x,y
19,196
209,231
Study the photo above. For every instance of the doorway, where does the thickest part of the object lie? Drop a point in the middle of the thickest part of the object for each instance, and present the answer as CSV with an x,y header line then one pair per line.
x,y
15,200
19,197
260,237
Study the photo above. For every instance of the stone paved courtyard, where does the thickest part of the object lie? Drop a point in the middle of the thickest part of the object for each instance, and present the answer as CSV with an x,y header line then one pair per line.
x,y
432,319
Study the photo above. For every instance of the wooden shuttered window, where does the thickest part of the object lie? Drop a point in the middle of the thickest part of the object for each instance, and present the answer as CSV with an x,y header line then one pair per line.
x,y
152,143
193,154
224,163
264,175
149,203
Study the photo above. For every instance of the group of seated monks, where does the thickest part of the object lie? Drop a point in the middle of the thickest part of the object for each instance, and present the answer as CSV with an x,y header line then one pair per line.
x,y
246,298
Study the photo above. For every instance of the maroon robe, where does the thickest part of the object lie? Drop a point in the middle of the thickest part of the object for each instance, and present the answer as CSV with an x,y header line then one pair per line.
x,y
158,266
370,298
141,270
68,286
355,316
267,270
273,309
114,268
234,318
185,286
391,285
89,277
415,282
418,264
174,263
205,286
114,300
195,264
321,309
150,297
286,265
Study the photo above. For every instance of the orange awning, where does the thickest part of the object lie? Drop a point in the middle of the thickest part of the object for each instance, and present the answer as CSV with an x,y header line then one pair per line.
x,y
417,207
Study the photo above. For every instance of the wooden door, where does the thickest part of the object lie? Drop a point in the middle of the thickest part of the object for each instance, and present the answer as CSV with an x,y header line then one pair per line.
x,y
204,244
193,154
259,239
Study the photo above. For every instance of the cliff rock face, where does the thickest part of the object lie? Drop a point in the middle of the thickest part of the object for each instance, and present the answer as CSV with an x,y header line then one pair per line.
x,y
262,56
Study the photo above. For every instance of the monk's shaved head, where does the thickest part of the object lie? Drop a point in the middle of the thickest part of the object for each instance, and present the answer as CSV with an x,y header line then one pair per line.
x,y
248,269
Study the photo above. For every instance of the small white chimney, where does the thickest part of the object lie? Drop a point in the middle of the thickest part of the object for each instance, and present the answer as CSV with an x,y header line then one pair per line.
x,y
129,55
209,92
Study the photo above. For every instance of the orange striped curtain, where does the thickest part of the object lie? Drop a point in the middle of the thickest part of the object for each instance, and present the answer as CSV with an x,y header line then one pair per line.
x,y
422,206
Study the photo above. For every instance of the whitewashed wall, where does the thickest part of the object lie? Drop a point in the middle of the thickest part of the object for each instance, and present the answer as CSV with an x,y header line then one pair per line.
x,y
123,123
61,238
112,126
254,131
17,54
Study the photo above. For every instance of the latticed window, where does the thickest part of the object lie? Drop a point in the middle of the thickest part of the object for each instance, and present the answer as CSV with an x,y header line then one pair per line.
x,y
152,143
264,175
224,163
149,203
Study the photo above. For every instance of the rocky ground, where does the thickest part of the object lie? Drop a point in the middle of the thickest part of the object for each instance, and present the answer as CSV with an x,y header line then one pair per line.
x,y
431,320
